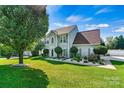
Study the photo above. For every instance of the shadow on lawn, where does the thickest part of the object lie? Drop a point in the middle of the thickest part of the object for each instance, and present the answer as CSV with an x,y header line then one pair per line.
x,y
50,61
54,62
22,77
117,62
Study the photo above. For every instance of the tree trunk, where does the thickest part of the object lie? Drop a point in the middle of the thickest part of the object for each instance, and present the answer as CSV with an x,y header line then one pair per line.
x,y
21,57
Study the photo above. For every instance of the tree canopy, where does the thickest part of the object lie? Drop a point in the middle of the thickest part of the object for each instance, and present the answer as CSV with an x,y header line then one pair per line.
x,y
115,42
58,51
73,51
20,26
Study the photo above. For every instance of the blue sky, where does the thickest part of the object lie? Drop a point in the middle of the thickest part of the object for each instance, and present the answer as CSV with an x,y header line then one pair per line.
x,y
110,19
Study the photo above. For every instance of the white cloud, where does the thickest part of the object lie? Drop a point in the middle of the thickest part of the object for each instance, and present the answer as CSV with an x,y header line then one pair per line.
x,y
103,10
121,29
76,18
87,19
60,24
103,25
95,26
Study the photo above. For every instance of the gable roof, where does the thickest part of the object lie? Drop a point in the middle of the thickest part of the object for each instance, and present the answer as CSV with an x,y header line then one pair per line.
x,y
64,30
87,37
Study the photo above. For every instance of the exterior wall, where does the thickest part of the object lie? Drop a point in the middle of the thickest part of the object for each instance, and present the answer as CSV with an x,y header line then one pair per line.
x,y
85,49
63,45
71,37
51,46
116,52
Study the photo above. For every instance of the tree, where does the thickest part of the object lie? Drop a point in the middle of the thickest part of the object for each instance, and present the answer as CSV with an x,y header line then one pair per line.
x,y
37,47
73,51
20,26
58,51
116,42
102,42
6,51
100,50
119,42
45,52
110,43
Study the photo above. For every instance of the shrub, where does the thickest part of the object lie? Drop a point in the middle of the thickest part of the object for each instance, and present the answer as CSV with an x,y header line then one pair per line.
x,y
100,50
85,59
45,52
101,62
58,51
73,51
92,58
77,58
35,53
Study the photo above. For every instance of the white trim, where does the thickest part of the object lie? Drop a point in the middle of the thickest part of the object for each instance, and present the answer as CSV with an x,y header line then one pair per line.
x,y
85,44
68,47
50,33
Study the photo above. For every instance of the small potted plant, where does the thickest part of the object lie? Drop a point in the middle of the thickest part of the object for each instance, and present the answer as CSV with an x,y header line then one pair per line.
x,y
85,59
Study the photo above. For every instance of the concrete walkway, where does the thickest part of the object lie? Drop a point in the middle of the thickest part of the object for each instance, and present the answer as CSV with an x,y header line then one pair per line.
x,y
108,58
107,65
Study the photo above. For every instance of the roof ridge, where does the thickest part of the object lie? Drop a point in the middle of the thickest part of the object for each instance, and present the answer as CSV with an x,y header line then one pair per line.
x,y
65,27
90,30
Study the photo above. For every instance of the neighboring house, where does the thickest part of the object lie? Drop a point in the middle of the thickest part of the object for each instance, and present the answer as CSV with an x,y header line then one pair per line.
x,y
69,36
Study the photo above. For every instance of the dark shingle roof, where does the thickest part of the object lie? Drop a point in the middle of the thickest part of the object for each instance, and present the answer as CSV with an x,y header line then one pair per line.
x,y
87,37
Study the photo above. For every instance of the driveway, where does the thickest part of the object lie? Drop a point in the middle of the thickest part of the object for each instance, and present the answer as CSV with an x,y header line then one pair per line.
x,y
117,58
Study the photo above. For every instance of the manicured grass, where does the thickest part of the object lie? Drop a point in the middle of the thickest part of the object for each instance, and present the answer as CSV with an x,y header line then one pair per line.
x,y
42,73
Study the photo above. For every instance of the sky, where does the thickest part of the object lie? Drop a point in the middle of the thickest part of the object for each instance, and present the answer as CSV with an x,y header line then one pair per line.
x,y
108,18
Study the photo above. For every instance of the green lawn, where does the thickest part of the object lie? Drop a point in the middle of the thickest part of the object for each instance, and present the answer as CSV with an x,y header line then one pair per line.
x,y
41,73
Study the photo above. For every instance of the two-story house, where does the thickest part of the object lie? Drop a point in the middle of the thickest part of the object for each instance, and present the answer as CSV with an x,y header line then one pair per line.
x,y
69,36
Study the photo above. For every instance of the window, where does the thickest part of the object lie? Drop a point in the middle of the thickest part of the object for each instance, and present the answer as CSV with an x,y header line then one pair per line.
x,y
88,51
52,40
47,42
61,39
64,39
80,51
52,53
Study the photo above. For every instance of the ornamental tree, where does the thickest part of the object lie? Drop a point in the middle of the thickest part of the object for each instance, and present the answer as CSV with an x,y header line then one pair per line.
x,y
100,50
46,52
73,51
58,51
20,26
38,46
